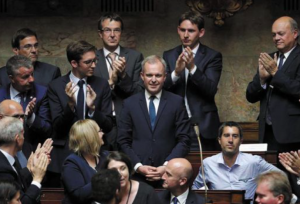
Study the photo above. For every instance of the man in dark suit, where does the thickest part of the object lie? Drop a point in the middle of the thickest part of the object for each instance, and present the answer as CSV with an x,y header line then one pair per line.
x,y
28,178
119,65
77,95
25,42
31,96
194,72
154,126
276,86
177,180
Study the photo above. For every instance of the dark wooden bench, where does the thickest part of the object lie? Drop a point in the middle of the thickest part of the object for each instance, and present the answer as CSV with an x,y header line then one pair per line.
x,y
55,196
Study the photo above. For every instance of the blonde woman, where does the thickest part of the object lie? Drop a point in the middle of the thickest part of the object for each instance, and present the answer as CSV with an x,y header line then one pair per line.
x,y
78,168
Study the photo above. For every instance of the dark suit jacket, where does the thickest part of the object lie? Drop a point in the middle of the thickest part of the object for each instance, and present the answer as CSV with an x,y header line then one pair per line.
x,y
43,74
284,103
170,137
29,193
202,88
79,190
63,117
165,197
41,127
131,83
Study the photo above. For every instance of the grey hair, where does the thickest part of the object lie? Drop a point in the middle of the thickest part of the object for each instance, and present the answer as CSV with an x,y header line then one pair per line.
x,y
153,59
9,128
16,62
294,26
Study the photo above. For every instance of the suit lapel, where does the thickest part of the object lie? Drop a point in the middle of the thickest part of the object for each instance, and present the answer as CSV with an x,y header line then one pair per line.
x,y
161,106
124,53
37,73
291,58
101,67
200,55
144,108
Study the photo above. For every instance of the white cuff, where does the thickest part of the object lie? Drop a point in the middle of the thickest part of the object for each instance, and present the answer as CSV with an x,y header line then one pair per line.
x,y
137,166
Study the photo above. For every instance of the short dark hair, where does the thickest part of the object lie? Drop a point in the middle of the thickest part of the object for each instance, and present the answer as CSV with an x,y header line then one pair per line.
x,y
8,190
194,17
230,124
119,156
14,63
104,185
20,35
76,49
112,17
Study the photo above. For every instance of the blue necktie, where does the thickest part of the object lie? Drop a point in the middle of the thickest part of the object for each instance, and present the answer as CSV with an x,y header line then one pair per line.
x,y
281,61
80,101
175,200
152,111
22,159
22,101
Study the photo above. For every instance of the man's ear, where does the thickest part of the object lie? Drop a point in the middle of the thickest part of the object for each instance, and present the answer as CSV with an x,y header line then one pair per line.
x,y
280,198
100,34
201,33
182,181
74,64
16,51
142,75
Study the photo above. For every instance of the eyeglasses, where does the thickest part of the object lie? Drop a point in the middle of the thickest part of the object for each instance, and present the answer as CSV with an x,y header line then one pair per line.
x,y
29,46
89,62
19,116
108,31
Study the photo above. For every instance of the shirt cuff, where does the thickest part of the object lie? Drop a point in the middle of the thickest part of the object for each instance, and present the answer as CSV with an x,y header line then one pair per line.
x,y
91,114
36,184
137,166
174,77
193,70
264,86
31,120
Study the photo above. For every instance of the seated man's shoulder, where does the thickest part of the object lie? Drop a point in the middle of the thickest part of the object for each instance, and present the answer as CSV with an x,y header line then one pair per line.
x,y
45,65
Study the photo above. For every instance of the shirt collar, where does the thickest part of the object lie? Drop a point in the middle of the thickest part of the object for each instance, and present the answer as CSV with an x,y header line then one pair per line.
x,y
10,158
286,55
193,50
75,79
13,92
182,198
148,95
220,160
106,52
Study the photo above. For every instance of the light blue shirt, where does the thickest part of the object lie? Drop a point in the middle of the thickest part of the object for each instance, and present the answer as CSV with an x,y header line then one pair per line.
x,y
241,176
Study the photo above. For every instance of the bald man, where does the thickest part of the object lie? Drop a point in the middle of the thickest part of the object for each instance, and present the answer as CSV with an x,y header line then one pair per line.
x,y
14,109
177,179
277,87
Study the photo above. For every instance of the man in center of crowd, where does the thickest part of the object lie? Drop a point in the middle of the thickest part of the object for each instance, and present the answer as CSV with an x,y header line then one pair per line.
x,y
232,169
154,126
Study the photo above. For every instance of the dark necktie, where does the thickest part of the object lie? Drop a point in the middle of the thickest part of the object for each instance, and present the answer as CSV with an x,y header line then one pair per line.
x,y
80,101
152,112
175,200
22,100
281,58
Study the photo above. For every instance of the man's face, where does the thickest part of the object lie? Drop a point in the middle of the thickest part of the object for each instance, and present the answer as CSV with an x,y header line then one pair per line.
x,y
153,76
189,34
171,178
265,196
283,37
110,34
23,80
85,67
28,48
230,140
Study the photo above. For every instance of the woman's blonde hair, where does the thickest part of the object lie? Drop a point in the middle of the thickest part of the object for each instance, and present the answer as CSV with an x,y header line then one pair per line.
x,y
84,137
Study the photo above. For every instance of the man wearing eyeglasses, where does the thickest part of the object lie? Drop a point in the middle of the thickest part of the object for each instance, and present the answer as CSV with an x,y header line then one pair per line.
x,y
76,96
194,71
119,65
25,42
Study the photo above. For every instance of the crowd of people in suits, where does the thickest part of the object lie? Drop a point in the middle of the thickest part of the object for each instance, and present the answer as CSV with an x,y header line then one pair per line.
x,y
144,111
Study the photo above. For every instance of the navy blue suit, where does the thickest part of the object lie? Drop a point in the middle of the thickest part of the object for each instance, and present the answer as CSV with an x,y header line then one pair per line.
x,y
43,74
193,198
76,178
63,117
29,193
170,137
202,88
41,128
